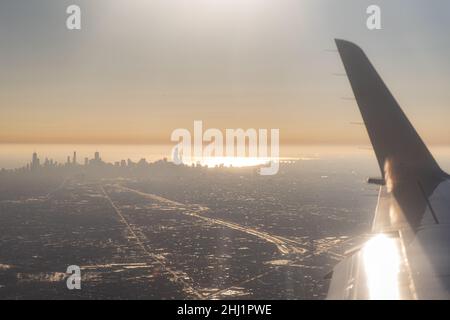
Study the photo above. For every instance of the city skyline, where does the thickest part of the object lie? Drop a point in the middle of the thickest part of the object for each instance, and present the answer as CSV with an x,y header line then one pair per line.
x,y
36,163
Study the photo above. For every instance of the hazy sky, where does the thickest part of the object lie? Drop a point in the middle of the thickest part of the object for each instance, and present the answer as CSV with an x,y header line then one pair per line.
x,y
139,69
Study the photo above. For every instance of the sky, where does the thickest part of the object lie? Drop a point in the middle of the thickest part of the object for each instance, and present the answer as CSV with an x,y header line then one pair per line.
x,y
139,69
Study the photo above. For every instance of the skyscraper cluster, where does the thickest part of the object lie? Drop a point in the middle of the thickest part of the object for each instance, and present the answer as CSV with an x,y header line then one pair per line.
x,y
36,163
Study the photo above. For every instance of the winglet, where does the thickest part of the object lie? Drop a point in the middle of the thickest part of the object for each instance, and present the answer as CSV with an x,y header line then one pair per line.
x,y
409,170
394,139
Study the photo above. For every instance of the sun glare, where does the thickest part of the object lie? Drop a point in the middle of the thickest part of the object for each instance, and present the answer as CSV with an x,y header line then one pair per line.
x,y
212,162
382,266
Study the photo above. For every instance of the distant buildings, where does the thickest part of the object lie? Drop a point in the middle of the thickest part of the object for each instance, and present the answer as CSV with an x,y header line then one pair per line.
x,y
95,166
49,163
35,163
72,162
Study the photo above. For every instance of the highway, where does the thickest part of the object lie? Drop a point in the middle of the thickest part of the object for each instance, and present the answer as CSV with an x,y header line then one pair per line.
x,y
284,246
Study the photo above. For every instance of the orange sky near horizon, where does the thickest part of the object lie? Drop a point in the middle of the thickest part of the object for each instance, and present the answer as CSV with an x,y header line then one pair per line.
x,y
136,72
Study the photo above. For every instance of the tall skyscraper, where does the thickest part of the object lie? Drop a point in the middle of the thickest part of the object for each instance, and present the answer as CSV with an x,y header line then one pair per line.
x,y
35,162
74,157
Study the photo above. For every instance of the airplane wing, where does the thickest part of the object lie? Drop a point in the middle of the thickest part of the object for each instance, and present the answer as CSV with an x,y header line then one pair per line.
x,y
408,255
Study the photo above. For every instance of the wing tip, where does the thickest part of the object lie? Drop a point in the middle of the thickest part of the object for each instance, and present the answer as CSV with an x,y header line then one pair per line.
x,y
346,45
